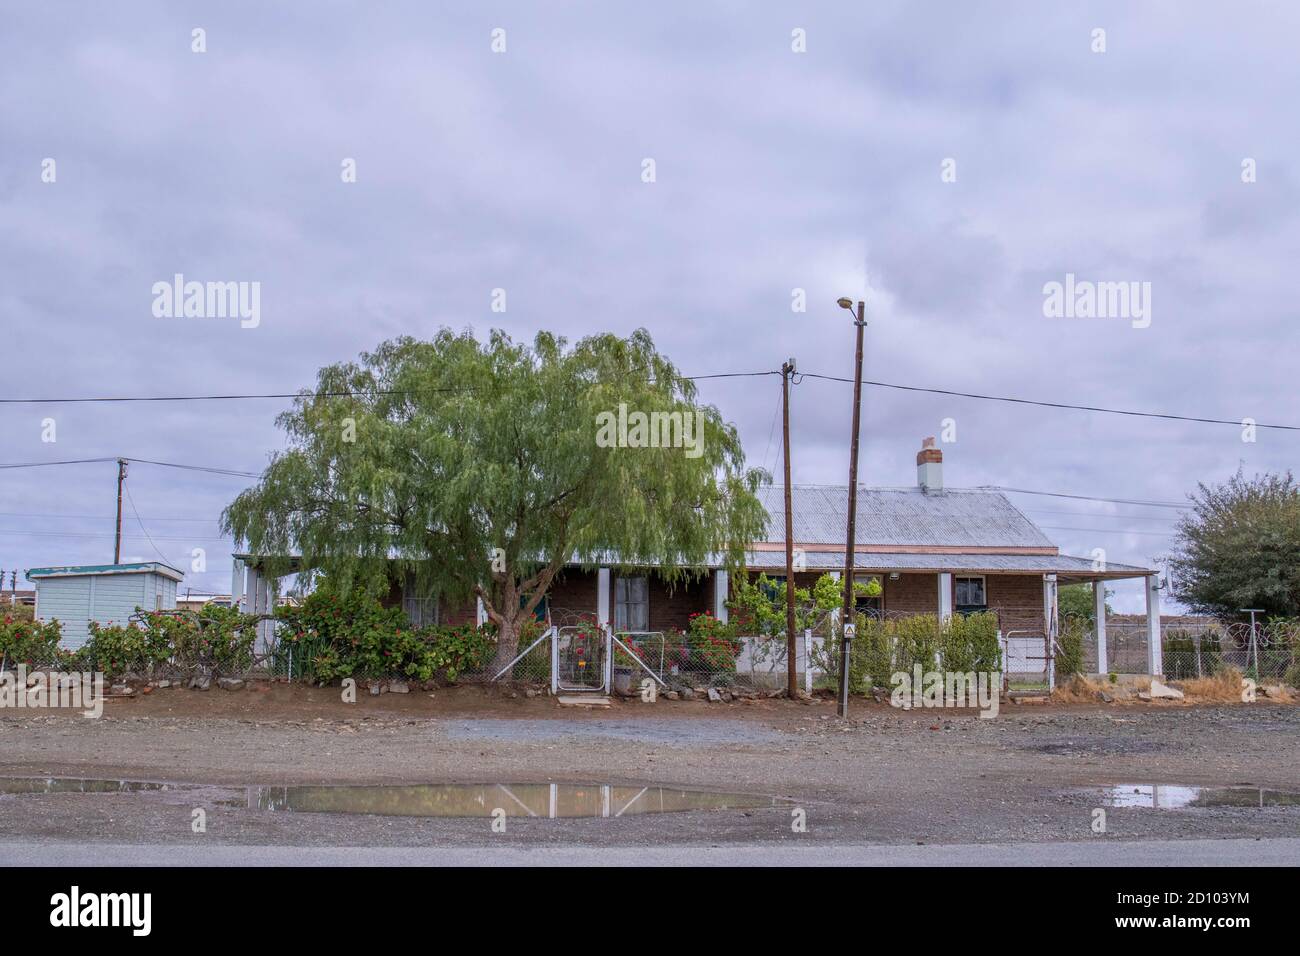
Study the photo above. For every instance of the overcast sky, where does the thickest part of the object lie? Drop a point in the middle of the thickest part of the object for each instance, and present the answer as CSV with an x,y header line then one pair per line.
x,y
774,171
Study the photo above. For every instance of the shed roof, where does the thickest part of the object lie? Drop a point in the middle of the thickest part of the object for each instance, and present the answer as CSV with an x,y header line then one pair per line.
x,y
81,570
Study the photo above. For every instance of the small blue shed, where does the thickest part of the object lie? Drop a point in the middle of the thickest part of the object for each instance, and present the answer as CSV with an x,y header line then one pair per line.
x,y
104,593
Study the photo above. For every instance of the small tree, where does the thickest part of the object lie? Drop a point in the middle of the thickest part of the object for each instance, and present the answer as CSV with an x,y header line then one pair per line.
x,y
1240,547
1076,601
483,468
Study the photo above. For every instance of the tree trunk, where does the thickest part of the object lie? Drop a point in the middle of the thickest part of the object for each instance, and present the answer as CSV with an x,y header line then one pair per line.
x,y
507,643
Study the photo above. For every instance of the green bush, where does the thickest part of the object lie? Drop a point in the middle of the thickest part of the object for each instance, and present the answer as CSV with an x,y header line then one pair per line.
x,y
353,635
882,648
1069,647
34,643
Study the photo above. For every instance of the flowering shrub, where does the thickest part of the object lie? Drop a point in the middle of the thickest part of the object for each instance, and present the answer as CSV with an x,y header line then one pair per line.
x,y
34,643
711,644
352,635
217,638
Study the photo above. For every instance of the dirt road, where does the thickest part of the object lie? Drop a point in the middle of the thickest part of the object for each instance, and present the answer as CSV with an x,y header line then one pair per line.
x,y
883,777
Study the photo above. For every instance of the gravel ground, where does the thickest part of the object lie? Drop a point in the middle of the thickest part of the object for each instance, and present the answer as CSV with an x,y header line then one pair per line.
x,y
882,777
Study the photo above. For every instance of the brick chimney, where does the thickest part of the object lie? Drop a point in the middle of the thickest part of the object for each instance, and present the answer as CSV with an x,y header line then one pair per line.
x,y
929,468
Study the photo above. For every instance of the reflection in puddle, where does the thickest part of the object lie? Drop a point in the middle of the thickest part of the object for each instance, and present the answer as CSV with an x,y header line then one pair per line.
x,y
1164,796
75,785
517,800
553,800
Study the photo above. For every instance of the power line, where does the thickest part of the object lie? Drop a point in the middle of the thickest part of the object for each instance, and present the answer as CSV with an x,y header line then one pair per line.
x,y
127,488
1061,494
305,393
48,514
1094,514
1044,404
44,464
143,461
1157,534
101,535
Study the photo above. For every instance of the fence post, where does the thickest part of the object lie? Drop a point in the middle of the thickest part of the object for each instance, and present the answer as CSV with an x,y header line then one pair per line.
x,y
807,661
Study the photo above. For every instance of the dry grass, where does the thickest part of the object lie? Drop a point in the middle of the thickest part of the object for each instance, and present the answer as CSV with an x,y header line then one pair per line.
x,y
1082,690
1224,686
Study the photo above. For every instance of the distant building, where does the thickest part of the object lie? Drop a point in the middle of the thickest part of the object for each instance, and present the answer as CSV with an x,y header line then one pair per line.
x,y
104,593
17,597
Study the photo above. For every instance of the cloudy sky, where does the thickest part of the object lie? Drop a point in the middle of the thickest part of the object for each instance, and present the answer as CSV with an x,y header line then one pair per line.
x,y
943,161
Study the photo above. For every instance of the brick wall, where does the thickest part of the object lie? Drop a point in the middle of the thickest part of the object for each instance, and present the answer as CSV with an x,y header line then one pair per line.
x,y
671,607
1017,599
573,590
911,594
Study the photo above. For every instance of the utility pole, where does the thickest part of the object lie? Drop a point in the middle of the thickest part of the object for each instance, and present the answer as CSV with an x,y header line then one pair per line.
x,y
117,541
849,624
792,682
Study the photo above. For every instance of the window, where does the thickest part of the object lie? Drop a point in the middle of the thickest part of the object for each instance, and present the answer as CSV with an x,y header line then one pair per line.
x,y
631,604
421,611
970,595
863,603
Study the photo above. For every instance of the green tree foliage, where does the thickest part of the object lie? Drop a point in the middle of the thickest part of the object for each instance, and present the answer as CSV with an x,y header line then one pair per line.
x,y
1240,547
1075,601
475,469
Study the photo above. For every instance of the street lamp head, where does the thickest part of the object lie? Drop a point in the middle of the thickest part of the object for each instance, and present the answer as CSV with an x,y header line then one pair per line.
x,y
845,303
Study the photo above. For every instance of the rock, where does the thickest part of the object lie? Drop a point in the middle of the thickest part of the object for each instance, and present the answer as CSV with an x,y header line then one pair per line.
x,y
375,688
510,694
532,692
1161,691
230,683
687,693
430,684
727,697
398,687
200,683
713,691
1104,697
119,689
672,695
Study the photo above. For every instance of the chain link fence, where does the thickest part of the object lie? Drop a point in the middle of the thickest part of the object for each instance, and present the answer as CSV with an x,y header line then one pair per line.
x,y
1203,647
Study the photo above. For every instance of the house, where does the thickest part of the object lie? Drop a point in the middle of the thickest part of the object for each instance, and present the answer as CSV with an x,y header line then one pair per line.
x,y
104,593
933,550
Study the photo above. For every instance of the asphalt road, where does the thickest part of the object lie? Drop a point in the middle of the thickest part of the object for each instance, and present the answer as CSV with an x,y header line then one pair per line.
x,y
1189,853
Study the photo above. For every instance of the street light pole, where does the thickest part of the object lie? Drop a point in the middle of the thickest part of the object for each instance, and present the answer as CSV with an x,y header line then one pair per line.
x,y
849,626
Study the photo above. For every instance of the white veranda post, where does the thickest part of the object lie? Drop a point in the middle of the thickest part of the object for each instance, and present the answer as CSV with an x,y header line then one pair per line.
x,y
1051,628
1099,617
1155,653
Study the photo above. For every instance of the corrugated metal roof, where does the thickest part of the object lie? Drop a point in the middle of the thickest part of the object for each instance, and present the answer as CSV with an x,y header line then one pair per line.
x,y
868,561
78,570
901,516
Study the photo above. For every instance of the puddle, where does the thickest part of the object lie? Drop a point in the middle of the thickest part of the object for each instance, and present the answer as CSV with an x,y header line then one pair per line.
x,y
517,800
683,732
1164,796
555,800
